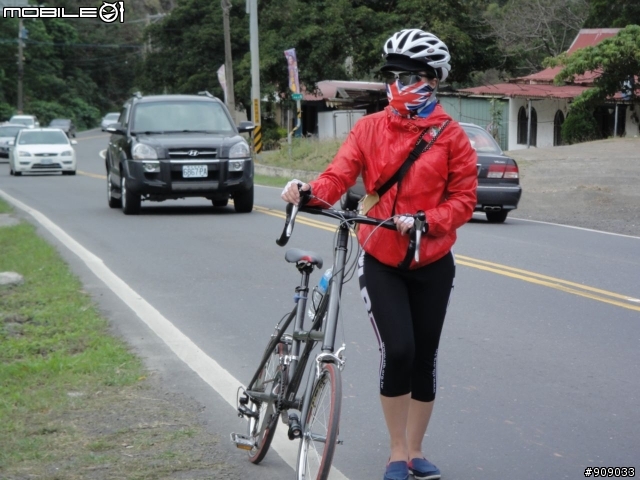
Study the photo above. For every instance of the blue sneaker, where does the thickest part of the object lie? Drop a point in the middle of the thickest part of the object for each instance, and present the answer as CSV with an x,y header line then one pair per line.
x,y
423,469
396,471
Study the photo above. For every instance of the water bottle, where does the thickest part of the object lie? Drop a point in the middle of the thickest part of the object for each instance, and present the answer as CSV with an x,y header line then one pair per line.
x,y
318,293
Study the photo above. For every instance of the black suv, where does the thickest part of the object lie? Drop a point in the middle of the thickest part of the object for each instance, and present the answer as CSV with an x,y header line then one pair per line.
x,y
177,146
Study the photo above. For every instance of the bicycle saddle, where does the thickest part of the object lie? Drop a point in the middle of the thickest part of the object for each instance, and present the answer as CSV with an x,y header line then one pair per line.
x,y
295,255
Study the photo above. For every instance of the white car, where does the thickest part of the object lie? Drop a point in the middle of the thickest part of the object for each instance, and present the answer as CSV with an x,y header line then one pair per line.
x,y
42,150
29,121
108,119
8,134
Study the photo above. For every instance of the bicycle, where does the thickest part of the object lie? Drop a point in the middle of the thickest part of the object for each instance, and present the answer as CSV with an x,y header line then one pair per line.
x,y
274,388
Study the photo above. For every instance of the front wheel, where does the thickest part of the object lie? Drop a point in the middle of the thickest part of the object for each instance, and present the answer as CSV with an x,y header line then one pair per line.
x,y
112,201
270,379
130,200
243,201
320,434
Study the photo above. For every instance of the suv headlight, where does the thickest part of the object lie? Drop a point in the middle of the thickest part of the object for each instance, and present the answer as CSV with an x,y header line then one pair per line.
x,y
22,153
239,150
66,153
142,151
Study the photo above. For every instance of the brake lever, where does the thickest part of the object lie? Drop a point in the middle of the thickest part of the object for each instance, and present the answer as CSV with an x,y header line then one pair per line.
x,y
290,219
292,212
415,233
418,224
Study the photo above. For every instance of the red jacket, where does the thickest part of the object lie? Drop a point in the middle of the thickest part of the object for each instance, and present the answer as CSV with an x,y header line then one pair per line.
x,y
441,182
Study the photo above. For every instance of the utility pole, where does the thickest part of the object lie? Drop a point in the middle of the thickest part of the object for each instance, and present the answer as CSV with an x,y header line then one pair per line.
x,y
228,64
20,66
255,73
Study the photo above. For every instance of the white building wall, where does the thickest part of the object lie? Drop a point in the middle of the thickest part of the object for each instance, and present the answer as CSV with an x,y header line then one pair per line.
x,y
546,111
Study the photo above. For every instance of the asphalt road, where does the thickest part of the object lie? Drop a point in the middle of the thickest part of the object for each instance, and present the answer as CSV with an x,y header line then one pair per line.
x,y
539,360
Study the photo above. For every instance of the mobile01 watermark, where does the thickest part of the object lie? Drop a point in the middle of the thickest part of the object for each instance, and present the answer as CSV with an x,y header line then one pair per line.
x,y
108,12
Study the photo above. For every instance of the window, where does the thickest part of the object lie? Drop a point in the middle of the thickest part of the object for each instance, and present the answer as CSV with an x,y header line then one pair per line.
x,y
523,126
557,128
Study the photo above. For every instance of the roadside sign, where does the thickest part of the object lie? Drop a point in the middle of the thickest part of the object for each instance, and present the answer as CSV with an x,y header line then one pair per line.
x,y
296,96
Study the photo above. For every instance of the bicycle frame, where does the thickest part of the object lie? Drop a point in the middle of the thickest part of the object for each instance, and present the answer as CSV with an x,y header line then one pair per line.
x,y
321,330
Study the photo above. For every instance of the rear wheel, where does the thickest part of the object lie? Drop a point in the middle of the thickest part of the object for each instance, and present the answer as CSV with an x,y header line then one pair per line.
x,y
130,200
243,201
320,434
270,379
497,217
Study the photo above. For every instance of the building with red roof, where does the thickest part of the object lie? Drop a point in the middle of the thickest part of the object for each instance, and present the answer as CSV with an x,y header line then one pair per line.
x,y
532,108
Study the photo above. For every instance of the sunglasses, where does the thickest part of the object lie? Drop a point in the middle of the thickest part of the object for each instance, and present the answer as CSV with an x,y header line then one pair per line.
x,y
408,78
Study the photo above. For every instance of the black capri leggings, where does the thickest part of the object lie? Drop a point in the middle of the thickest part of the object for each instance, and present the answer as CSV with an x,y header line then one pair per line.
x,y
407,310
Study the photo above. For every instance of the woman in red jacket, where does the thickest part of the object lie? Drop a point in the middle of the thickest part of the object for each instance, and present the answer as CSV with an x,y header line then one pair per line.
x,y
406,307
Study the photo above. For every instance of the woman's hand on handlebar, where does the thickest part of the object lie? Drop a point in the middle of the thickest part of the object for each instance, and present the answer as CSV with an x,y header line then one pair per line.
x,y
403,224
291,191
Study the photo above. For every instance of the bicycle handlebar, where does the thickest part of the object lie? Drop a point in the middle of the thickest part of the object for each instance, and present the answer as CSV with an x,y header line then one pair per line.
x,y
413,250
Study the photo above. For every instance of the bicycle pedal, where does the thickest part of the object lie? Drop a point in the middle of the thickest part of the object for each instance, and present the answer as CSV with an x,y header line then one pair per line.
x,y
242,441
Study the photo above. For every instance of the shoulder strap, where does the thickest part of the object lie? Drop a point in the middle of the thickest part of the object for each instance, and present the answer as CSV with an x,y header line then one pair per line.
x,y
420,147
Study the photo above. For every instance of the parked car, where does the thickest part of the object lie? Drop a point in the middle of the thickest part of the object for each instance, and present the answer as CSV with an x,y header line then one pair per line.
x,y
42,150
8,134
498,189
29,121
178,146
108,119
65,125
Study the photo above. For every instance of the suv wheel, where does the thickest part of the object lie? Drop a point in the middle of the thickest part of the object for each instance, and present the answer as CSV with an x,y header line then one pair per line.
x,y
497,217
130,200
243,200
113,202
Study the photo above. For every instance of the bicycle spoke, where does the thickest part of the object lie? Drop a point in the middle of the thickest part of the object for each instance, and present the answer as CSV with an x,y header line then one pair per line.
x,y
321,430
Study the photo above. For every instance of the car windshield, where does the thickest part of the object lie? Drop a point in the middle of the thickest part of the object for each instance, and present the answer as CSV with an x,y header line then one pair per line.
x,y
61,122
111,116
22,121
42,138
482,141
181,116
9,131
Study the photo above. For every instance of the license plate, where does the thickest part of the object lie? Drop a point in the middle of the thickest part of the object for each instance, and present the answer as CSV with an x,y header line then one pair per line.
x,y
194,171
45,161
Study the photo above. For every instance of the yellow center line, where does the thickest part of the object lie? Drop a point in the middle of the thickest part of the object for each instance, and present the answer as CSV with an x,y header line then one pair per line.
x,y
92,175
517,273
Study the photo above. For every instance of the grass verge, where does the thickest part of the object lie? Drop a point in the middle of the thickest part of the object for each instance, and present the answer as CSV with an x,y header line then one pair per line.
x,y
75,403
305,154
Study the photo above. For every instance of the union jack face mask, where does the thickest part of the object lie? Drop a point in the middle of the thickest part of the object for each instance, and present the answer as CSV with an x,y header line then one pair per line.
x,y
409,99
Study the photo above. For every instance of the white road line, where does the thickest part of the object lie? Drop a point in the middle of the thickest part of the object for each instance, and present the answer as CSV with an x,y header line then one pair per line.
x,y
206,367
568,226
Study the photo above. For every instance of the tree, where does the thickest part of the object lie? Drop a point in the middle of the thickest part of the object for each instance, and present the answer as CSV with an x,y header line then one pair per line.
x,y
528,31
608,14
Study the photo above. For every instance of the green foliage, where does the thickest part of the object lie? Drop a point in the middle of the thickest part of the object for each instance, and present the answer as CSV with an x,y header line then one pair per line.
x,y
272,134
579,126
608,14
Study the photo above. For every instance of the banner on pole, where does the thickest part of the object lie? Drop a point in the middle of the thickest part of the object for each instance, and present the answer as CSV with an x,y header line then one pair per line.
x,y
223,81
292,64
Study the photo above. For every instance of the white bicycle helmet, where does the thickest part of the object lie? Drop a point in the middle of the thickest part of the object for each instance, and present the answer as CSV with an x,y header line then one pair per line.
x,y
411,49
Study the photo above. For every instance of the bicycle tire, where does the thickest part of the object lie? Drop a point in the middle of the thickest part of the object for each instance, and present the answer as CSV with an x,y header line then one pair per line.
x,y
264,427
322,422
